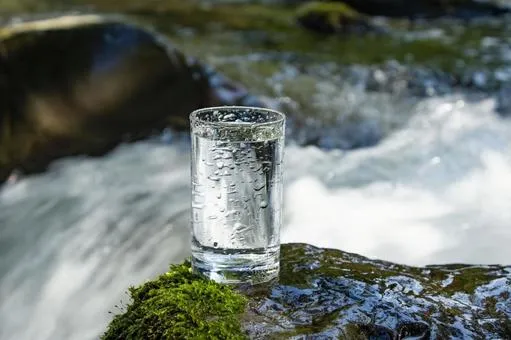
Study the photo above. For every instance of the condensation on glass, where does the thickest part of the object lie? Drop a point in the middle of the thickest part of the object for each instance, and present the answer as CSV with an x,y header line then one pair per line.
x,y
237,193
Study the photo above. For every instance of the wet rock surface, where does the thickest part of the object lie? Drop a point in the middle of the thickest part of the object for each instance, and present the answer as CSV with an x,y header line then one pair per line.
x,y
327,293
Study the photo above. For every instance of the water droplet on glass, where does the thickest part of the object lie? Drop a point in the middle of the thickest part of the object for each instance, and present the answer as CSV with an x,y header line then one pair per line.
x,y
219,195
258,187
263,204
220,164
215,244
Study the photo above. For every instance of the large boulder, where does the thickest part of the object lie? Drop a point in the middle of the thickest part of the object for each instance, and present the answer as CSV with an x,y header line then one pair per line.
x,y
327,294
81,84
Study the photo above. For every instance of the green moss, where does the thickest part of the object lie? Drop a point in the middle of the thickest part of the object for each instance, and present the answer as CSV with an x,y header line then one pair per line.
x,y
333,14
180,305
338,9
238,17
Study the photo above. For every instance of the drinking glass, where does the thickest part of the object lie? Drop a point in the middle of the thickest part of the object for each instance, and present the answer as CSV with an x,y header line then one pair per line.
x,y
237,193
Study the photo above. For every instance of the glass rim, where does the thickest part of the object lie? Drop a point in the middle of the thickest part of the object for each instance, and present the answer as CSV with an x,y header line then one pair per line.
x,y
194,116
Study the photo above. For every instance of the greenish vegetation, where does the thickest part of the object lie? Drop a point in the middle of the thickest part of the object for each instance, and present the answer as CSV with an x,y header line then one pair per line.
x,y
337,9
180,305
327,16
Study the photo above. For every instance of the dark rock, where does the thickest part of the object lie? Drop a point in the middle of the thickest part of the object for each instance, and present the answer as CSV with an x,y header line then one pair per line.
x,y
463,9
330,17
81,84
504,101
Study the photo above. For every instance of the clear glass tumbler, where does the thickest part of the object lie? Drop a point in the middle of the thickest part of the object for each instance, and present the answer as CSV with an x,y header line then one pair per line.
x,y
237,193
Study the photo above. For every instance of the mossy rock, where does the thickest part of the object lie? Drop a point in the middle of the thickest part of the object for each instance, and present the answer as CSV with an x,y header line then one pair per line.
x,y
326,294
332,17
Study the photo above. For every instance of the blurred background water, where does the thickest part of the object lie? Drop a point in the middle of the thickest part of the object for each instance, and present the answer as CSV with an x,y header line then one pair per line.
x,y
402,161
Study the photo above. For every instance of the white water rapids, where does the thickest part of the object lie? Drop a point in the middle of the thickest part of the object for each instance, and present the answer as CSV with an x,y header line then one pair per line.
x,y
73,239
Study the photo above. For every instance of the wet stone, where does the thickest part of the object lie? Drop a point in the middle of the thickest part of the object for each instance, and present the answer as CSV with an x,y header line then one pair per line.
x,y
325,293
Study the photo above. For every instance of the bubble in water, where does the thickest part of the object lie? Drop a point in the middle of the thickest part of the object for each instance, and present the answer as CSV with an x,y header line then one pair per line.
x,y
215,244
263,204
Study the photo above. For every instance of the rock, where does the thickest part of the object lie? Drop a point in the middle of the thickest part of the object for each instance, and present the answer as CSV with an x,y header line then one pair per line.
x,y
81,84
332,17
503,106
327,294
464,9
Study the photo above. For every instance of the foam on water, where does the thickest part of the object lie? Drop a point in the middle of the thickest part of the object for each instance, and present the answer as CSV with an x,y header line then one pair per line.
x,y
74,238
437,191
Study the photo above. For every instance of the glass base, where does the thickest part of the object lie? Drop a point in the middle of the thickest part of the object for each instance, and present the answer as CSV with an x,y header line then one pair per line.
x,y
237,266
